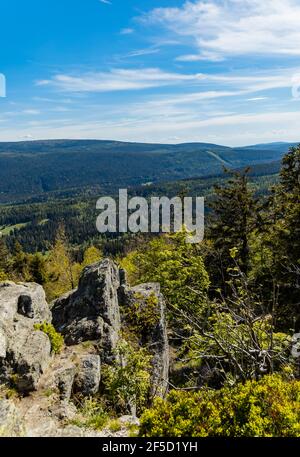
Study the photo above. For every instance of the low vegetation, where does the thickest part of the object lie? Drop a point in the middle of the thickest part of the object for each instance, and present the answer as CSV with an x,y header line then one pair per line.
x,y
264,408
56,339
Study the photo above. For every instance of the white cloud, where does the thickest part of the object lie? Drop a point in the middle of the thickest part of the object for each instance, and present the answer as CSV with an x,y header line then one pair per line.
x,y
118,80
238,129
222,28
126,31
142,52
107,2
138,79
256,99
31,112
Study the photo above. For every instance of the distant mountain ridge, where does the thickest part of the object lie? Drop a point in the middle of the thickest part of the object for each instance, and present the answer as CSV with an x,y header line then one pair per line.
x,y
35,167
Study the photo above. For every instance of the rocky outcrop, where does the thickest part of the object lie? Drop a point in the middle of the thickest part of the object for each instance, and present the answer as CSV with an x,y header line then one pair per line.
x,y
89,318
33,418
91,312
148,302
24,352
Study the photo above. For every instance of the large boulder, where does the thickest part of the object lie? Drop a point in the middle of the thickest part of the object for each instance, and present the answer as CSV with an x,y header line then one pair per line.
x,y
87,379
64,380
91,312
147,303
24,351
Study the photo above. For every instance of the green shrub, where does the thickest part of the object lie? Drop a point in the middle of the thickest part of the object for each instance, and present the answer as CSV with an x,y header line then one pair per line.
x,y
114,425
127,381
266,408
91,415
143,314
177,265
3,276
55,338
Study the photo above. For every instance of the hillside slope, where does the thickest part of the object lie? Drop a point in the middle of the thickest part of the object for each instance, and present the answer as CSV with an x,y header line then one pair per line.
x,y
37,167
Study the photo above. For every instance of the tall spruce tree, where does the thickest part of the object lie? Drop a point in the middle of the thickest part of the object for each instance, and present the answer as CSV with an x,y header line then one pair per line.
x,y
4,259
288,205
233,218
284,239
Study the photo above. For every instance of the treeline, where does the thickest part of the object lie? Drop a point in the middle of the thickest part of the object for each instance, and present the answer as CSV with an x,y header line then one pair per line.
x,y
57,271
34,225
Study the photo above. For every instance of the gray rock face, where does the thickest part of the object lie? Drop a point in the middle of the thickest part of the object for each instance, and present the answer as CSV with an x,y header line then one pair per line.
x,y
87,379
24,352
91,312
154,335
11,423
65,379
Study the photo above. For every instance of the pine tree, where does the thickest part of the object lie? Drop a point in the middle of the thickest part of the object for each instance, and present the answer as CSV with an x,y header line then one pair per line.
x,y
20,263
234,216
91,255
38,268
288,205
4,260
61,271
284,238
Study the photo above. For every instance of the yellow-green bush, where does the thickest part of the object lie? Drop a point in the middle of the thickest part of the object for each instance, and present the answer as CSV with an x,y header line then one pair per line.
x,y
55,338
127,380
269,407
92,414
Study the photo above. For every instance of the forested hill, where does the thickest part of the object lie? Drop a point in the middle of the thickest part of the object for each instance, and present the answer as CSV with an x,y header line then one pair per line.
x,y
35,167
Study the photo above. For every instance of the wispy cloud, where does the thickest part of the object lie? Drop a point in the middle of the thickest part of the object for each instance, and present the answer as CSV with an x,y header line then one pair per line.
x,y
272,126
256,99
142,52
31,112
118,80
222,28
107,2
208,85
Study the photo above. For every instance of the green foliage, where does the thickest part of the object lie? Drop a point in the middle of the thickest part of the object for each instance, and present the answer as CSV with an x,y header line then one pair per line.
x,y
114,425
242,350
20,263
127,381
234,217
56,339
267,408
91,414
143,314
3,276
178,267
62,273
38,268
276,252
91,255
4,258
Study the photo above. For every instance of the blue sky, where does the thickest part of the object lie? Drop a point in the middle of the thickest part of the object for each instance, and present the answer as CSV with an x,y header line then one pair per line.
x,y
221,71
